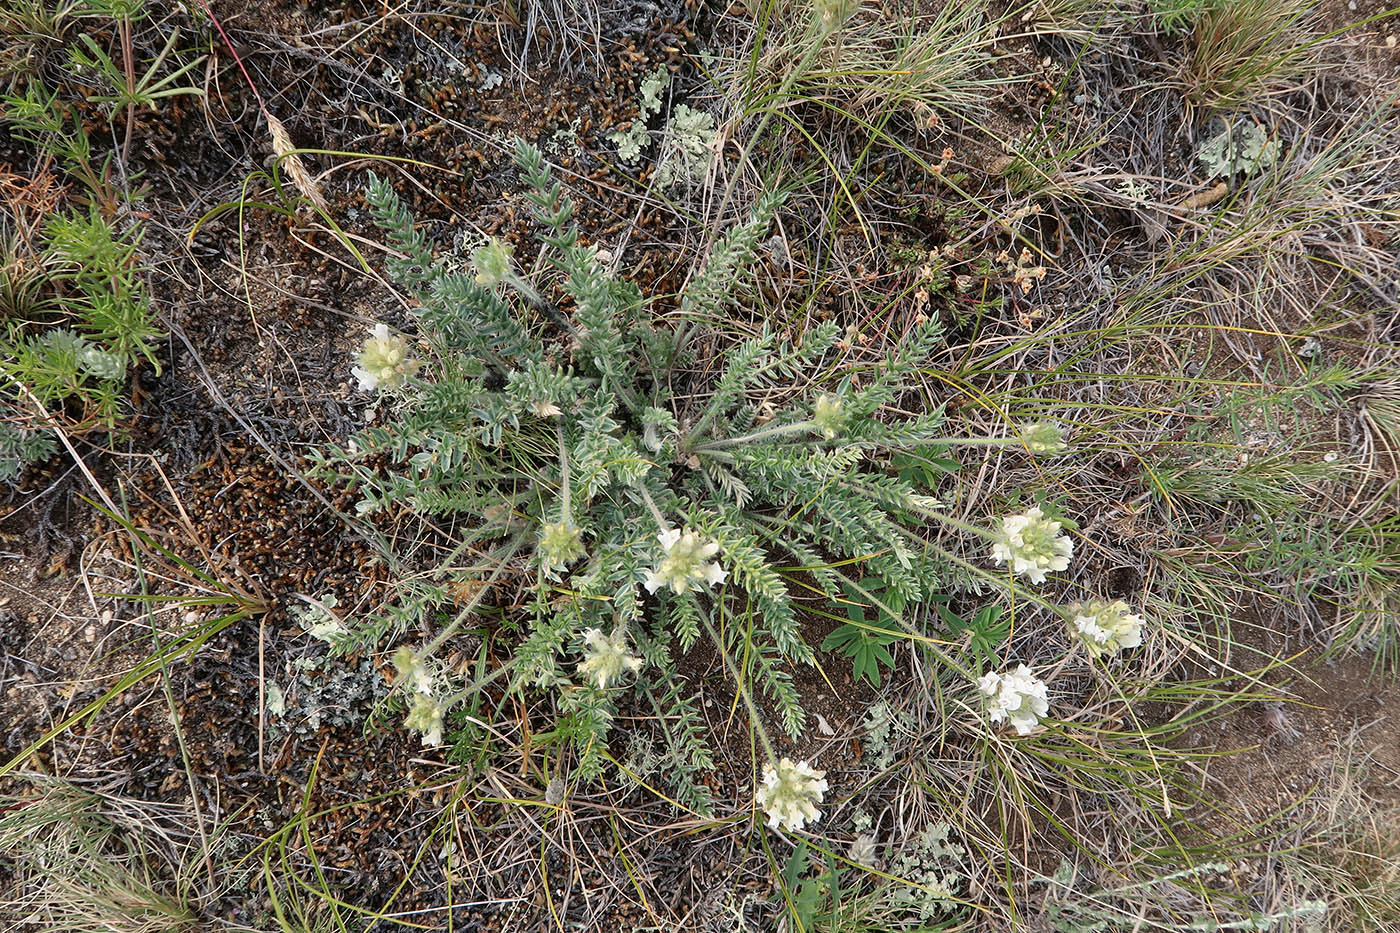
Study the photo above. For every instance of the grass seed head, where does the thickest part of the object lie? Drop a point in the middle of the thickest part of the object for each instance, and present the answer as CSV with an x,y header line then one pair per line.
x,y
287,154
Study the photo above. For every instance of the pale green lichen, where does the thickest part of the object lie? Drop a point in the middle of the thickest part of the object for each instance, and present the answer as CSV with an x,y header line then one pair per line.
x,y
653,87
1239,149
931,873
686,147
632,140
317,618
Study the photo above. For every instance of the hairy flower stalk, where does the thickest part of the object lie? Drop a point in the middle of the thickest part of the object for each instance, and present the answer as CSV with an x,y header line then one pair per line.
x,y
1017,697
384,362
789,794
1105,628
685,562
606,658
1032,544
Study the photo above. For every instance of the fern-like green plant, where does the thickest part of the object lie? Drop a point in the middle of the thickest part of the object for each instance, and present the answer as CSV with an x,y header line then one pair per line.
x,y
645,506
75,317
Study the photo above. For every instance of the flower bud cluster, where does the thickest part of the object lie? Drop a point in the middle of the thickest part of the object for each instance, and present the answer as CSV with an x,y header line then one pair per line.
x,y
561,543
492,263
829,415
1044,437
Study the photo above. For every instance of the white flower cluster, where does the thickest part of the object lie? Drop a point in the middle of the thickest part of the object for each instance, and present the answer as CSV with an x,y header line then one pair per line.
x,y
425,716
1106,628
684,563
606,657
425,712
1032,544
384,361
789,794
1017,697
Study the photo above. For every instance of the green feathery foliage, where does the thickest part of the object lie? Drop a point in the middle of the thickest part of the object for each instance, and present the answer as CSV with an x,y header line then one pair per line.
x,y
75,317
660,507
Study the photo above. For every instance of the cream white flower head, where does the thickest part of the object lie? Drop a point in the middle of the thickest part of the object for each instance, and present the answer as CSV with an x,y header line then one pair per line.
x,y
829,415
384,361
425,716
415,672
684,563
1106,628
606,657
789,794
1017,697
1044,437
1032,544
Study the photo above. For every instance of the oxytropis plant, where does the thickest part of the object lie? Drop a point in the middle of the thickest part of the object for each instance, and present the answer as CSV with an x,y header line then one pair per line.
x,y
642,501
